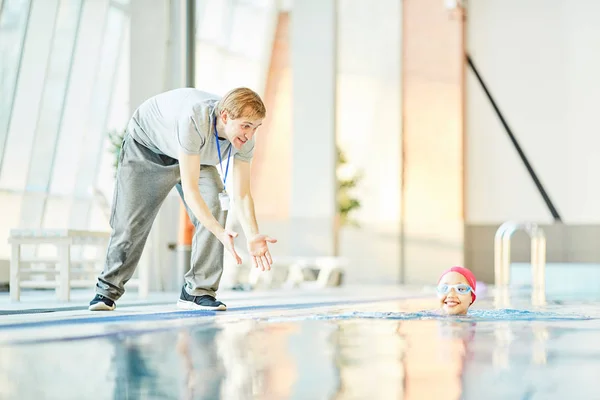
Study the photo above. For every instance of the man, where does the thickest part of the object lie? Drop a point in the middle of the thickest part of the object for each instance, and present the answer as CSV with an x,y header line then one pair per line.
x,y
176,139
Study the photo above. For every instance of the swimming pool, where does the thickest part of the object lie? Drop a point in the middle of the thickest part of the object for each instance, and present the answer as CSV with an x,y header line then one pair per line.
x,y
386,349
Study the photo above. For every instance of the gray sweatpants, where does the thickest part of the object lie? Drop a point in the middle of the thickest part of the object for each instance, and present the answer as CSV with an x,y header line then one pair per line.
x,y
144,179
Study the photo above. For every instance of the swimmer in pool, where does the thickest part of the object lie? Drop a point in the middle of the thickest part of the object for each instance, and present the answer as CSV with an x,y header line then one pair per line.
x,y
456,291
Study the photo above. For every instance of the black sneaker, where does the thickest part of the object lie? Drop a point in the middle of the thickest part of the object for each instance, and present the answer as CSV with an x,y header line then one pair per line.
x,y
205,302
101,303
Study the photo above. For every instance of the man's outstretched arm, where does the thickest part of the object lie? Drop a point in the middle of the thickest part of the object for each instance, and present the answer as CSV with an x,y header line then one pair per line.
x,y
244,207
189,166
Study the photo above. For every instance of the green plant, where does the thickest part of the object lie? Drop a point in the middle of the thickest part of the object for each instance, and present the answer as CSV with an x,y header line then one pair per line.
x,y
346,181
116,141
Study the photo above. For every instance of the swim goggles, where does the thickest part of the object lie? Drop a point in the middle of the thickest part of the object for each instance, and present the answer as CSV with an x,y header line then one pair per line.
x,y
460,288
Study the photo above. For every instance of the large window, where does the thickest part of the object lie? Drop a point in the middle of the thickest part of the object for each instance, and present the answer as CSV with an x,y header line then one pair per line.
x,y
13,25
64,83
233,43
59,61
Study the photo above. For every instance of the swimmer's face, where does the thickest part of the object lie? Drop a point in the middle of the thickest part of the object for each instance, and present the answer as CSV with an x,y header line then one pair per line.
x,y
453,302
238,131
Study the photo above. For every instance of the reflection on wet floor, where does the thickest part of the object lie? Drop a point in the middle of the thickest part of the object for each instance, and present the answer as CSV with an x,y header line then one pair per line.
x,y
348,357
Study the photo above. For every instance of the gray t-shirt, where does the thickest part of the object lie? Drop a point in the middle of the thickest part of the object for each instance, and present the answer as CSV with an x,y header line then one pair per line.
x,y
183,118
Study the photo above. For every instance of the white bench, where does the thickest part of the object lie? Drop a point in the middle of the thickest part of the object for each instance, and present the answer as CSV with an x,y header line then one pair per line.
x,y
63,267
329,271
321,271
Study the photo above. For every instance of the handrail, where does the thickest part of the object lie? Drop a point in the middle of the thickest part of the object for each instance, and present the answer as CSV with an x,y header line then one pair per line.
x,y
517,146
538,258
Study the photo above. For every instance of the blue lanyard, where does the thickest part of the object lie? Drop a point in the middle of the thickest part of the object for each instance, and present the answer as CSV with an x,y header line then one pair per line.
x,y
219,151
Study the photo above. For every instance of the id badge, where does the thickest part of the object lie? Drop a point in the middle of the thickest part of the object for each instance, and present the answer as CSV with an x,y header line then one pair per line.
x,y
224,199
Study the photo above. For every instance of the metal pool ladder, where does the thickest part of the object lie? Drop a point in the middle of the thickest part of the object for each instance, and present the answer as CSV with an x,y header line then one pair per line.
x,y
538,260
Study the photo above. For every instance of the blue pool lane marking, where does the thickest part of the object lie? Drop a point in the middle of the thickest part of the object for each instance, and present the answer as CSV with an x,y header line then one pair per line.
x,y
181,314
128,330
74,308
473,316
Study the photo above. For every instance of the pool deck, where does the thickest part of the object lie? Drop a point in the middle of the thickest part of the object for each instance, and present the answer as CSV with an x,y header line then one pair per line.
x,y
40,317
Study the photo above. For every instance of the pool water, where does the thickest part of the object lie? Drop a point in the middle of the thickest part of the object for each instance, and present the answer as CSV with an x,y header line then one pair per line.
x,y
376,350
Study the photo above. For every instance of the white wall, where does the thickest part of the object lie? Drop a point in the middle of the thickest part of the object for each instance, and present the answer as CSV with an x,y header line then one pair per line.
x,y
539,60
432,141
369,130
149,50
313,57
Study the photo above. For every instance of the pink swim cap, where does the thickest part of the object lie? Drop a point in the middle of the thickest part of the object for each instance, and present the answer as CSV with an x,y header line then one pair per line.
x,y
468,276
